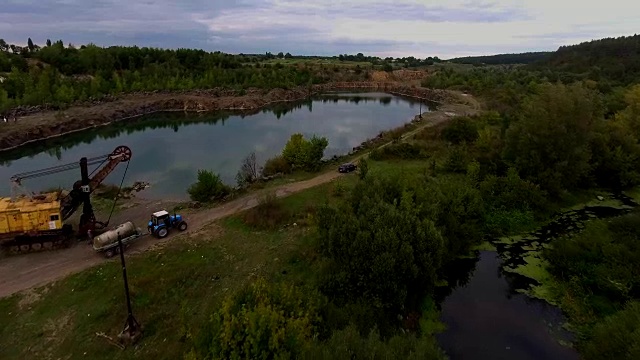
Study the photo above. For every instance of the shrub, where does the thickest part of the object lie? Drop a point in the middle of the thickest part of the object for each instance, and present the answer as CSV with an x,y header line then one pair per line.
x,y
304,154
459,130
268,214
397,151
208,187
506,222
457,160
276,165
378,245
348,344
248,172
338,188
363,168
262,321
512,192
617,337
605,257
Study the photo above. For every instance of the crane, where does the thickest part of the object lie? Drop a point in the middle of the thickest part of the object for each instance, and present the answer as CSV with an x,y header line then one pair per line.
x,y
39,219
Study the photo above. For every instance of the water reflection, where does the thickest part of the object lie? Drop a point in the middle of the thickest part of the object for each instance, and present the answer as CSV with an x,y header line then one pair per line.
x,y
487,320
168,148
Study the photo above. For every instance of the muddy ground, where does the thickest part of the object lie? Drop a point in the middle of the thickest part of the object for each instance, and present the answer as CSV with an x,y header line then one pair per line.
x,y
22,272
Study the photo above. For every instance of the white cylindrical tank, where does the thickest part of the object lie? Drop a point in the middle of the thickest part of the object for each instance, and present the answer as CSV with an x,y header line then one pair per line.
x,y
109,237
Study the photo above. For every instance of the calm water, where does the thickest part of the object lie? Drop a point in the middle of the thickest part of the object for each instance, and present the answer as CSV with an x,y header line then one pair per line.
x,y
168,149
487,319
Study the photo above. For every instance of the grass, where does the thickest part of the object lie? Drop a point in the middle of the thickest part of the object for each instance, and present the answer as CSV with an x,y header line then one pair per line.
x,y
174,289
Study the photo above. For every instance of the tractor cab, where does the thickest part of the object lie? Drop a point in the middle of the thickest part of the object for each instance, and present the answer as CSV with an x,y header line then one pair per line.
x,y
159,218
162,221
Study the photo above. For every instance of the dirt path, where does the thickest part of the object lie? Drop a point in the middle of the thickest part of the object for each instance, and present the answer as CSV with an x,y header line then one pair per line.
x,y
23,272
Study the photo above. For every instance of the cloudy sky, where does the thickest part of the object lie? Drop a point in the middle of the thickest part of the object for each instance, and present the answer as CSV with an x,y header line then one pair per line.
x,y
444,28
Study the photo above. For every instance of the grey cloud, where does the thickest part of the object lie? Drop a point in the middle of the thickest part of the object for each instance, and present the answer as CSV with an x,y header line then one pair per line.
x,y
172,24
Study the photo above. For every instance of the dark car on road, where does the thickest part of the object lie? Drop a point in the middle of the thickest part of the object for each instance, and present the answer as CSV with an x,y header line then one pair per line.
x,y
348,167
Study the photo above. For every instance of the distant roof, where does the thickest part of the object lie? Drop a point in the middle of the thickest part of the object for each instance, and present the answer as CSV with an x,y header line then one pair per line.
x,y
160,213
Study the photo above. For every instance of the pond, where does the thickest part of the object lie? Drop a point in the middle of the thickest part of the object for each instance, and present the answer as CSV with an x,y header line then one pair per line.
x,y
487,305
169,148
487,319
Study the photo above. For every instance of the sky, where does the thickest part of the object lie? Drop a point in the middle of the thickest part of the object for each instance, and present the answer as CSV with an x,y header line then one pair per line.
x,y
398,28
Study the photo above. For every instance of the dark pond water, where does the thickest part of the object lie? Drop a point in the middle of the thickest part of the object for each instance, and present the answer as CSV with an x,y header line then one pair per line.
x,y
169,148
487,316
487,319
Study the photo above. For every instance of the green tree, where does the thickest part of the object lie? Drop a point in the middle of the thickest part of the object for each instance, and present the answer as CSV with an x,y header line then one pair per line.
x,y
48,42
549,144
280,55
208,187
378,245
461,129
304,154
30,45
261,321
4,47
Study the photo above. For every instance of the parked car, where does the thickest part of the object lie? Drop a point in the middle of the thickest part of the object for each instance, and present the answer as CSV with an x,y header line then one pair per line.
x,y
348,167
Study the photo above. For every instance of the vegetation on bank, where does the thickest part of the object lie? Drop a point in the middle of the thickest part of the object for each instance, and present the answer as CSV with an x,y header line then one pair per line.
x,y
569,123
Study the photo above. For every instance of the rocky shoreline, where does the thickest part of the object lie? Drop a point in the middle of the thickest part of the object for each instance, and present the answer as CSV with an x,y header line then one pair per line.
x,y
38,124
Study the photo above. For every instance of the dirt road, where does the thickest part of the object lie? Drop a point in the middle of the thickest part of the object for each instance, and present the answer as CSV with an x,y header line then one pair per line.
x,y
23,272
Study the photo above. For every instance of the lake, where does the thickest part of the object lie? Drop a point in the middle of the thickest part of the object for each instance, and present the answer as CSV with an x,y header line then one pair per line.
x,y
169,148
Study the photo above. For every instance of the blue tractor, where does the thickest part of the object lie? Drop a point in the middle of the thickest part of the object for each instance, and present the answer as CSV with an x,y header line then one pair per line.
x,y
162,221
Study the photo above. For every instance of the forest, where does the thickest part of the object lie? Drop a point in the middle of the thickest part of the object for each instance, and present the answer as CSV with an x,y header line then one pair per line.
x,y
57,74
503,59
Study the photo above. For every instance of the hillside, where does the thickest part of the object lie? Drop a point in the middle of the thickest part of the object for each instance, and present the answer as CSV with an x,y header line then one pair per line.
x,y
616,59
503,59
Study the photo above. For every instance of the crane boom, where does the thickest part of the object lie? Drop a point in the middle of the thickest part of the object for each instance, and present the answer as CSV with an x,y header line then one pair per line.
x,y
70,203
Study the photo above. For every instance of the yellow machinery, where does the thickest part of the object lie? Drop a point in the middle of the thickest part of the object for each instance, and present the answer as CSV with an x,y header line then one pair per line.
x,y
32,217
37,222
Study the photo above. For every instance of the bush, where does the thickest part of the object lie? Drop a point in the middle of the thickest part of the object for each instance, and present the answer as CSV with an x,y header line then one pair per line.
x,y
617,337
457,160
512,193
507,222
458,211
363,168
459,130
209,187
605,257
378,246
248,172
269,214
276,165
405,151
304,154
262,321
348,344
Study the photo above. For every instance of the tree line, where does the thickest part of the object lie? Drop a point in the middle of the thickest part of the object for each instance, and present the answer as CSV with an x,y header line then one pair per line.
x,y
59,74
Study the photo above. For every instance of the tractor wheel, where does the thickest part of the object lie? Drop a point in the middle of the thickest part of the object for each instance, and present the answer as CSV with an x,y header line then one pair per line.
x,y
182,226
109,253
162,233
